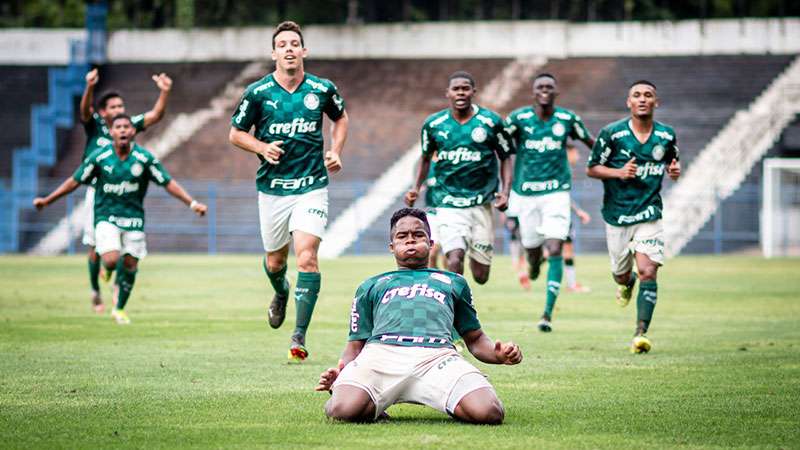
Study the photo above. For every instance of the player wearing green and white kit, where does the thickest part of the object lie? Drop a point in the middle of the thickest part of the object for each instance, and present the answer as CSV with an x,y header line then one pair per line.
x,y
121,173
430,210
96,124
468,140
631,156
400,348
286,108
542,181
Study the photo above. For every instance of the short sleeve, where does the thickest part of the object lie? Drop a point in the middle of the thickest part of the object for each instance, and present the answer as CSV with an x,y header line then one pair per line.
x,y
504,147
361,322
138,122
673,151
158,173
601,150
86,172
427,142
335,107
579,130
247,113
512,132
465,317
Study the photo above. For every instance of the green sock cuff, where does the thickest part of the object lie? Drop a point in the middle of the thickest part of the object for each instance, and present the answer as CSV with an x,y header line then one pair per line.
x,y
279,273
312,278
649,285
94,274
277,279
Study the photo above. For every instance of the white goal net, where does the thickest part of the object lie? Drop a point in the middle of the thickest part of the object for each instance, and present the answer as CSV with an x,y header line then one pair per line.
x,y
780,212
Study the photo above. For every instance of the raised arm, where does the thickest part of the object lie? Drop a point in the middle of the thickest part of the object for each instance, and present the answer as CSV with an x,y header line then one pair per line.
x,y
333,159
177,191
87,99
490,352
66,187
164,84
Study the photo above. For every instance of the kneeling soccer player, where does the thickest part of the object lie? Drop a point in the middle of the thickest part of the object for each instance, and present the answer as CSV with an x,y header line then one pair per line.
x,y
123,170
400,348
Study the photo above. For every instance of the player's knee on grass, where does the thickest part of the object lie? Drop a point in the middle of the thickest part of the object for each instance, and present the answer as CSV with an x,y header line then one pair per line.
x,y
482,407
455,260
350,404
480,272
554,247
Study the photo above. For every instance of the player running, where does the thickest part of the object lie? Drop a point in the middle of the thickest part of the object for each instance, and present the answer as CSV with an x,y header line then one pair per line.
x,y
96,124
542,181
286,108
467,140
400,348
631,156
121,173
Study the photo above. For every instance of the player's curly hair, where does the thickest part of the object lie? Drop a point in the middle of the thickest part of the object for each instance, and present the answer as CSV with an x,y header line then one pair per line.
x,y
122,116
462,74
405,212
103,101
288,26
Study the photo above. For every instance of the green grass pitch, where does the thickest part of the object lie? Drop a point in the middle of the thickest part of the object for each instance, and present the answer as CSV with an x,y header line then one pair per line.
x,y
199,367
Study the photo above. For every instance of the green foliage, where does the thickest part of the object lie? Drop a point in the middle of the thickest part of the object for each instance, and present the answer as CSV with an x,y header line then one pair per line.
x,y
199,367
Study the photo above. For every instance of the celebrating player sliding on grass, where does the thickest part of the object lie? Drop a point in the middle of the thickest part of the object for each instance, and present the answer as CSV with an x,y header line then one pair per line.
x,y
286,108
121,173
400,348
631,157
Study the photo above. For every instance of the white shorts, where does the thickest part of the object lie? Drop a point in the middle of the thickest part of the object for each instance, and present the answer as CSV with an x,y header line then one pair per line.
x,y
436,377
280,215
433,221
88,226
112,238
542,217
646,238
467,228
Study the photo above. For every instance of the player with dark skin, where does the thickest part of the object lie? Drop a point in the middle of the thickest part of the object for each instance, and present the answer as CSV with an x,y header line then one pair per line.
x,y
411,246
545,92
642,102
460,93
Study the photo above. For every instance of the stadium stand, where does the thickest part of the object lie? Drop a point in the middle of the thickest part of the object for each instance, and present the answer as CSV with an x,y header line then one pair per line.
x,y
22,87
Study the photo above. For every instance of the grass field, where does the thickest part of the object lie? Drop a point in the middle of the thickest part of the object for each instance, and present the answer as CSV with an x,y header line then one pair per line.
x,y
200,368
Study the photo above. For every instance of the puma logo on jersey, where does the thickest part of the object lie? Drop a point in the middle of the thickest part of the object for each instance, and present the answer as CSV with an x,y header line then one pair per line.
x,y
625,152
443,134
273,103
528,130
109,169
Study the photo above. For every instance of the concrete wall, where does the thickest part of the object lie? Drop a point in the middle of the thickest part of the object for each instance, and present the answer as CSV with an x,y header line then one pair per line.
x,y
427,40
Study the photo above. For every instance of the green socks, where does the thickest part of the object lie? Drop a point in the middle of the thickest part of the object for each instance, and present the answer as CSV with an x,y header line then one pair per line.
x,y
646,303
305,297
555,271
125,280
278,281
94,273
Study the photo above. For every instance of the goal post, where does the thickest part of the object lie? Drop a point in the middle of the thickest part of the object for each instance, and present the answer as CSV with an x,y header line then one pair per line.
x,y
780,211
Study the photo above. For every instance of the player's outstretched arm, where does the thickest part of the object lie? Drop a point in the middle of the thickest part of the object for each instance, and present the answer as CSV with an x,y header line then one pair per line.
x,y
351,351
423,168
177,191
85,112
66,187
490,352
164,84
333,157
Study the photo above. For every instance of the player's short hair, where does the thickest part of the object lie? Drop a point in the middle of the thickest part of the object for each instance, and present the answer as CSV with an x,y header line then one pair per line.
x,y
103,101
405,212
462,74
544,75
121,117
287,26
647,82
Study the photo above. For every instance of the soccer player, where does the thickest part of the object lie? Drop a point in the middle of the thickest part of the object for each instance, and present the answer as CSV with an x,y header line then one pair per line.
x,y
121,173
430,211
631,156
400,348
568,252
468,141
96,124
542,181
286,108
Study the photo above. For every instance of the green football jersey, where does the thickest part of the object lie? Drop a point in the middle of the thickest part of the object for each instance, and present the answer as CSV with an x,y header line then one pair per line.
x,y
466,157
98,136
429,183
121,184
627,202
296,119
413,308
541,166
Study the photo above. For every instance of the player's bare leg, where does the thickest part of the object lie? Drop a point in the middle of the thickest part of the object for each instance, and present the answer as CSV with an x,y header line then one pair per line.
x,y
454,260
573,285
433,258
535,259
95,267
306,292
480,406
480,271
275,268
351,404
555,272
645,301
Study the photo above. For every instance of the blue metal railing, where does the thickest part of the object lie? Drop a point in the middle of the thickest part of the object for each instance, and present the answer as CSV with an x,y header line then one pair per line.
x,y
64,83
